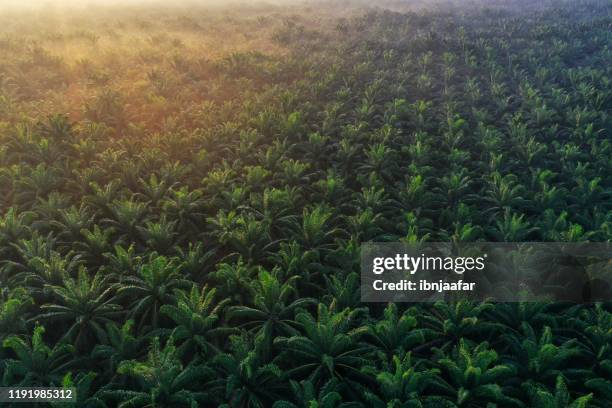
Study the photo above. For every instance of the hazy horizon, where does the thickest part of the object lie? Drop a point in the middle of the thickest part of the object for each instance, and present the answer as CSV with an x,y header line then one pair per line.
x,y
87,3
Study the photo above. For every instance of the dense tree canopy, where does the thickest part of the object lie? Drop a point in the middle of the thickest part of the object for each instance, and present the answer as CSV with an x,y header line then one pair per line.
x,y
193,240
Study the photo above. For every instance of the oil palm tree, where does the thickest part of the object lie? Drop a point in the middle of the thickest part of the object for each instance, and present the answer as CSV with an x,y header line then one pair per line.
x,y
273,309
475,377
85,303
306,395
396,333
151,288
327,348
119,344
196,317
163,381
35,363
542,397
405,385
249,381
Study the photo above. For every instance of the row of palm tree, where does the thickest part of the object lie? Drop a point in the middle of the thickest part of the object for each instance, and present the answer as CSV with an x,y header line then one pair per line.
x,y
214,261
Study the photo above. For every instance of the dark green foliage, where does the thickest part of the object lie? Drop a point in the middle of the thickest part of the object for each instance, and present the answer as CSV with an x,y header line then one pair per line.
x,y
210,257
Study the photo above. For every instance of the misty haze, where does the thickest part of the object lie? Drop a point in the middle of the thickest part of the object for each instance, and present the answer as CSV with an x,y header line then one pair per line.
x,y
186,189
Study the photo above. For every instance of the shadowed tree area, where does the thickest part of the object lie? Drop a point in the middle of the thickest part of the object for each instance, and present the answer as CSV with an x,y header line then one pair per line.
x,y
184,192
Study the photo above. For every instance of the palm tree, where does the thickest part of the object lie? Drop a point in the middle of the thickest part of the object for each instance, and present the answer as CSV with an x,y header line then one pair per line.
x,y
72,221
328,348
404,385
314,231
13,306
83,384
196,318
365,226
161,236
276,207
250,238
186,207
249,382
292,259
503,194
537,357
273,311
512,228
86,303
123,261
151,288
126,216
395,333
14,226
589,328
95,243
102,198
234,280
41,265
41,181
512,315
119,344
453,321
163,381
601,389
56,127
474,376
196,260
49,208
381,160
155,190
343,291
542,397
305,395
36,364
